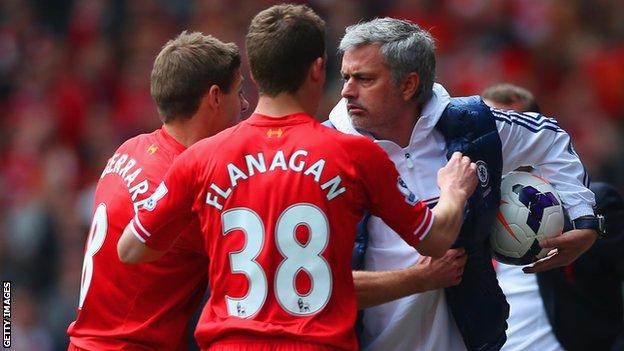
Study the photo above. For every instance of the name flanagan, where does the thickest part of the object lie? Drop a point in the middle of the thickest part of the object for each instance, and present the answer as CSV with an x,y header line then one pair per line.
x,y
257,164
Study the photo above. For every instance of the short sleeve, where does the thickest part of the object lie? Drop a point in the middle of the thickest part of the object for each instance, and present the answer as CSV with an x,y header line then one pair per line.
x,y
166,213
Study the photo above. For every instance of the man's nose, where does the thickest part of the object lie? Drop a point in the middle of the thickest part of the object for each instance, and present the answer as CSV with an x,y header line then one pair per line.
x,y
349,90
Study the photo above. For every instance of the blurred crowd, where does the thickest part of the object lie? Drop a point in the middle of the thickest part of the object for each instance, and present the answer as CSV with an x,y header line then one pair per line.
x,y
74,83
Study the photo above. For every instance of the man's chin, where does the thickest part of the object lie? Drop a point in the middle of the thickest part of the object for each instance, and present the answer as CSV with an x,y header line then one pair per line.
x,y
357,115
359,121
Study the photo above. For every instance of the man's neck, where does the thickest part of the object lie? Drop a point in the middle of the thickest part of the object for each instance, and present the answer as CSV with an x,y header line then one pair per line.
x,y
187,133
401,131
282,105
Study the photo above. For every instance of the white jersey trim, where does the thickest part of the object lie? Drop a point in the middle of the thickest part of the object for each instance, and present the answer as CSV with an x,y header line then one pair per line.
x,y
136,224
136,234
427,229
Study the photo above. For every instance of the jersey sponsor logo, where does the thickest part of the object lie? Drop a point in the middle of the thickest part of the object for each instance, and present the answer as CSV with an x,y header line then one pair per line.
x,y
482,173
410,198
159,193
275,133
152,149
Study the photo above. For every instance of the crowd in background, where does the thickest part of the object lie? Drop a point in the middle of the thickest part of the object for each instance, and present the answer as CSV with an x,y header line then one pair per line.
x,y
74,83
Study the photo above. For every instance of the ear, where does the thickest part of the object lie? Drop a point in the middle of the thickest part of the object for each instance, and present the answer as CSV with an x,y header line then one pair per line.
x,y
409,87
317,69
213,96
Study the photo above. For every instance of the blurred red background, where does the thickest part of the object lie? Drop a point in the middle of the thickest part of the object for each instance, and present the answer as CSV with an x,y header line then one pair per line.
x,y
74,83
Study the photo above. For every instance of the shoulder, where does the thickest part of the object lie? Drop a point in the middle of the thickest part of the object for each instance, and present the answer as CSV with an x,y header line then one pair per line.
x,y
212,147
470,106
531,121
136,143
329,132
466,115
358,148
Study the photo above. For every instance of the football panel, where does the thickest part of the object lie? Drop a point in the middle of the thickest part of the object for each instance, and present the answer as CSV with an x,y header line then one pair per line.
x,y
529,257
509,240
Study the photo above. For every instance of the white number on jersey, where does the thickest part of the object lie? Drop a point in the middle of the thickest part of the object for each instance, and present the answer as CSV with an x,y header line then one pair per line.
x,y
298,257
244,260
95,240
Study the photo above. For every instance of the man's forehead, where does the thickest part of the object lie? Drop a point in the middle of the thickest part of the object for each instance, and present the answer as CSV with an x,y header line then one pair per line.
x,y
363,49
363,58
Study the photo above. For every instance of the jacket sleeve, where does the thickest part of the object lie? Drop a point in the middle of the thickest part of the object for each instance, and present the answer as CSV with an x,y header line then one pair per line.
x,y
531,139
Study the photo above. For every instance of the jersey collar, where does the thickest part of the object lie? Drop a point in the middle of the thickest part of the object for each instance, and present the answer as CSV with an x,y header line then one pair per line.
x,y
169,142
258,119
430,115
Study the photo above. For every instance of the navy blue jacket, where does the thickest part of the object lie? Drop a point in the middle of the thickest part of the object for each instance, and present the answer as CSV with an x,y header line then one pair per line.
x,y
478,304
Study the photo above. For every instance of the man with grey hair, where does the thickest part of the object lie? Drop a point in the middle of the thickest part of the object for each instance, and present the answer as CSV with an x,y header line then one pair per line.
x,y
389,95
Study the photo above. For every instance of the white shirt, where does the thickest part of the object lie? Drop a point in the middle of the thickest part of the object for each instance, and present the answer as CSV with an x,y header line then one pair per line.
x,y
423,321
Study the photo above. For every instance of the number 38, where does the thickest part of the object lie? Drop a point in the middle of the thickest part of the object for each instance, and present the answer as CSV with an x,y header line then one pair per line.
x,y
297,257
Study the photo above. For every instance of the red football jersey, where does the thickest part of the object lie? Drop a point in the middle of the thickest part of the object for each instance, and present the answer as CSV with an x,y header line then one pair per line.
x,y
145,306
278,202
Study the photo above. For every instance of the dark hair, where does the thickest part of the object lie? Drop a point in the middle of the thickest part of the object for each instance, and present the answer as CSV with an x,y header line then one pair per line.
x,y
282,42
506,93
186,68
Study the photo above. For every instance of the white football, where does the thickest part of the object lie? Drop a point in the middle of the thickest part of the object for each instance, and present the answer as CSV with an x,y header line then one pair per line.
x,y
530,210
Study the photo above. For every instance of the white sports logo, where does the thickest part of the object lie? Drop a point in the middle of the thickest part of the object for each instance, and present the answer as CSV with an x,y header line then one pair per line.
x,y
159,193
410,198
482,173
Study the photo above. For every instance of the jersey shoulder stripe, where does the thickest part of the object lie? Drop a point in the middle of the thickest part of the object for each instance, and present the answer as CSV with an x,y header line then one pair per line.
x,y
535,129
534,122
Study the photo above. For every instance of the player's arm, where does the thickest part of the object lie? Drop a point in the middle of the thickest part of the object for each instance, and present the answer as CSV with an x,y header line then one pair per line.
x,y
431,232
457,181
535,140
375,288
131,250
157,223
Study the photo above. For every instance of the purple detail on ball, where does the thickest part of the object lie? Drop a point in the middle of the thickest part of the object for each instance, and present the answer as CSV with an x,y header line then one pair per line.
x,y
536,202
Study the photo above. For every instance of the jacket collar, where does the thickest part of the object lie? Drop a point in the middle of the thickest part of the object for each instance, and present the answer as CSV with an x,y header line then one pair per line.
x,y
430,115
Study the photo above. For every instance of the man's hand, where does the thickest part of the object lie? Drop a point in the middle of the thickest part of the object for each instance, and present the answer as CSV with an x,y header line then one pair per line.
x,y
457,181
375,288
569,246
458,176
442,272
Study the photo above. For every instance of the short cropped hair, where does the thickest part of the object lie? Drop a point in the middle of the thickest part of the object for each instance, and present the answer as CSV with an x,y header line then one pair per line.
x,y
507,94
282,42
405,47
186,68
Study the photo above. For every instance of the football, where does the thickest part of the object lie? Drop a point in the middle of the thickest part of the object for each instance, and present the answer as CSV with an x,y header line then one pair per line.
x,y
530,210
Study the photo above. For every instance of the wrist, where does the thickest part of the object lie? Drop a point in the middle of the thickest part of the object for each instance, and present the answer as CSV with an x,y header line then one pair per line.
x,y
591,222
417,278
